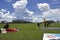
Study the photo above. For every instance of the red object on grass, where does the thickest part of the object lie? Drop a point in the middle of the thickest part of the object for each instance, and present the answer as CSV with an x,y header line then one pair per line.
x,y
12,30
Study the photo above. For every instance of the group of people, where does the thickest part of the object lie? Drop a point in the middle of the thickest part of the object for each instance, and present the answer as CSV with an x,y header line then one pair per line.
x,y
45,24
6,26
38,24
6,29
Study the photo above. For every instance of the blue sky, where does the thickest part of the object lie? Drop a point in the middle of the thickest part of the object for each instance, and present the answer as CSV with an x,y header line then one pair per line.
x,y
35,8
31,4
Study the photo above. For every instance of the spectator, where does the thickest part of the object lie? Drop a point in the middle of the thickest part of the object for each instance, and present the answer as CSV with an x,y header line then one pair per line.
x,y
6,26
38,24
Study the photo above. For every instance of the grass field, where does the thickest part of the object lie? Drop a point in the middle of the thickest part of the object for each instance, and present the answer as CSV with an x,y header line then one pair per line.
x,y
29,31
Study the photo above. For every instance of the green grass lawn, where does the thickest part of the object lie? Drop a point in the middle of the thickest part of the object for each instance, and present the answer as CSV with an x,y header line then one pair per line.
x,y
29,31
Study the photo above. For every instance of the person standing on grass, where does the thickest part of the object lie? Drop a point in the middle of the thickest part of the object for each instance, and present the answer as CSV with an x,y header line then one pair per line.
x,y
6,26
4,29
45,23
38,24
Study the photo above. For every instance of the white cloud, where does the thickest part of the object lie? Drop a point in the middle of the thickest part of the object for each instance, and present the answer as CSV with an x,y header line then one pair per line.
x,y
3,10
34,18
6,16
49,14
29,13
21,12
37,19
52,14
43,6
20,7
20,4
